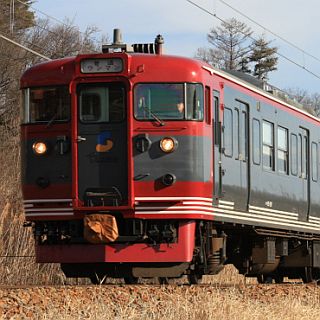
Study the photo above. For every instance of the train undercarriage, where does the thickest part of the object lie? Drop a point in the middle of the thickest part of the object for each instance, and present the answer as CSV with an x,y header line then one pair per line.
x,y
265,254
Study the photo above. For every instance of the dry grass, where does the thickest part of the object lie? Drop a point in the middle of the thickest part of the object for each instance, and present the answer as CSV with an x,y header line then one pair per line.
x,y
166,302
227,296
16,242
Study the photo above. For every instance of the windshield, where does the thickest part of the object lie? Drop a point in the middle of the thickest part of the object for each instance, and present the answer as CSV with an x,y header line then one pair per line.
x,y
168,101
46,104
102,103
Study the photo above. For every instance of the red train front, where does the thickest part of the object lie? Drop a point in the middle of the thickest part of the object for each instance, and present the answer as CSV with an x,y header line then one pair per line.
x,y
117,162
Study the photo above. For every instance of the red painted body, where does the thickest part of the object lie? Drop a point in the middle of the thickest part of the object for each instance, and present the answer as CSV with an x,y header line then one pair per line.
x,y
155,69
185,200
182,251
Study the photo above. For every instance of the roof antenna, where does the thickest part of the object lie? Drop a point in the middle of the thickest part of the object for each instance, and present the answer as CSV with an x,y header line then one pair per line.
x,y
117,45
117,36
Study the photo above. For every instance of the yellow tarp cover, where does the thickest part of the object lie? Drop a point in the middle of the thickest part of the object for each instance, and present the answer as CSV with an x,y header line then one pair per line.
x,y
100,228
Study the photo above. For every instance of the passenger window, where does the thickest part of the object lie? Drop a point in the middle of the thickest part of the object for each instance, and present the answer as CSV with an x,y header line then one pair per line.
x,y
256,141
237,132
283,150
228,132
304,153
268,145
207,105
217,134
243,136
294,154
314,157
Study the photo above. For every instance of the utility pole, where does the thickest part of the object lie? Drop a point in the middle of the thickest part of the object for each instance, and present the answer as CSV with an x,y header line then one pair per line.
x,y
11,16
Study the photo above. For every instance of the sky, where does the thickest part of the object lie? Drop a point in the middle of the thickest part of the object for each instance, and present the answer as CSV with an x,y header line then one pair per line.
x,y
184,27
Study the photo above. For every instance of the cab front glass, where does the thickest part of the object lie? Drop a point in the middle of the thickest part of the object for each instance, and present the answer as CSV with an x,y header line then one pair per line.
x,y
101,103
46,104
168,101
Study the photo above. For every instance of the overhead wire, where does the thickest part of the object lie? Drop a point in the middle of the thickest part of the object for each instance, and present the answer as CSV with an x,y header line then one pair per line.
x,y
252,38
45,14
271,32
56,20
24,47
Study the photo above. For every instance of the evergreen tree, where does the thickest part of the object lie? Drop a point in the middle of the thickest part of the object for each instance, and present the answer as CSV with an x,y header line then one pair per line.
x,y
15,17
244,65
263,57
235,50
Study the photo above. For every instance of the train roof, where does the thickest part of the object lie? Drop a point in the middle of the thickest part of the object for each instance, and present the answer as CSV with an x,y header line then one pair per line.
x,y
63,71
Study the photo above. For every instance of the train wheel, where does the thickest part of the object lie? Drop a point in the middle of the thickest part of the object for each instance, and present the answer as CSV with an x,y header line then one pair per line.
x,y
310,274
164,280
264,279
131,280
96,280
194,278
278,278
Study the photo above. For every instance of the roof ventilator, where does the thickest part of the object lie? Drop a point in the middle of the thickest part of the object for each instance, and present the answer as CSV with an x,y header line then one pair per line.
x,y
119,46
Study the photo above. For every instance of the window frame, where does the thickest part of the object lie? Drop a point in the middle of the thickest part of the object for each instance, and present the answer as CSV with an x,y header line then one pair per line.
x,y
253,142
185,101
25,109
227,154
285,150
295,156
270,147
101,84
314,162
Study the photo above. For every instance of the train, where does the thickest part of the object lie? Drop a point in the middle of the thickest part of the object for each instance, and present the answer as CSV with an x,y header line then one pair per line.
x,y
138,164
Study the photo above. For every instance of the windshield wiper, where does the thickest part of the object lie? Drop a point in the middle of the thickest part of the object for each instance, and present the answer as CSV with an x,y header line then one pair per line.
x,y
51,120
154,116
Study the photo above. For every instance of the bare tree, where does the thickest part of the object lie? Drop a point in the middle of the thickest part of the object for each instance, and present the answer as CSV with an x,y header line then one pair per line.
x,y
58,41
231,41
211,56
309,101
53,41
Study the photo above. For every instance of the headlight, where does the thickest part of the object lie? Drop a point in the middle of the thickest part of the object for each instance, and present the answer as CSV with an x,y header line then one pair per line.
x,y
168,144
39,148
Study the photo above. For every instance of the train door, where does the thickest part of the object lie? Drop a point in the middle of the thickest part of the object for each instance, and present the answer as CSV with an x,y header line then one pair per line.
x,y
102,144
235,152
241,142
216,132
304,173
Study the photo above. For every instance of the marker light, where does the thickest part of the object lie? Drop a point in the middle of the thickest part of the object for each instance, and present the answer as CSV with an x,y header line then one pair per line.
x,y
39,148
168,179
168,144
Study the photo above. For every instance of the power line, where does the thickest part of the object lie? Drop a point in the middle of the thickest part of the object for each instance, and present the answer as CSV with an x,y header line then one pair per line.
x,y
45,14
252,38
57,20
50,17
270,31
23,47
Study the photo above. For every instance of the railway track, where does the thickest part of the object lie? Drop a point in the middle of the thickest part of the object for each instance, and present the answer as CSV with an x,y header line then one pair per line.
x,y
154,285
